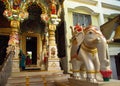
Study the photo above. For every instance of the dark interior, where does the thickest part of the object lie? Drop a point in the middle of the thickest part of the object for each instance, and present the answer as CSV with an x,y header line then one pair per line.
x,y
3,45
34,22
31,45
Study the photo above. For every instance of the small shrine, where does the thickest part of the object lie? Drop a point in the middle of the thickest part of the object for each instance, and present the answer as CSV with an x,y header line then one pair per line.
x,y
33,21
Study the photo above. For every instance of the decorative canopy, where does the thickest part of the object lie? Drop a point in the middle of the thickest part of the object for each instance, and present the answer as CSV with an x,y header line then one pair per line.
x,y
34,14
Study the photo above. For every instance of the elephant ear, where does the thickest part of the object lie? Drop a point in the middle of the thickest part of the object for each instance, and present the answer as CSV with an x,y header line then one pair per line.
x,y
80,37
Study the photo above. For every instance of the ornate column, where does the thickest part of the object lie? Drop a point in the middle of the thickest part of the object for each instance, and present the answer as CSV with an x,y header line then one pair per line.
x,y
53,60
44,56
15,12
14,43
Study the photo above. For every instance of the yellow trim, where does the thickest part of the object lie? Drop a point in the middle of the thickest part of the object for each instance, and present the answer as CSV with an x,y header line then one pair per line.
x,y
97,71
75,71
89,72
92,71
27,81
82,70
89,49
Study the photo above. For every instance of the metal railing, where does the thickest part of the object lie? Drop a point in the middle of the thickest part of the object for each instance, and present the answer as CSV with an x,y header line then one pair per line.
x,y
6,69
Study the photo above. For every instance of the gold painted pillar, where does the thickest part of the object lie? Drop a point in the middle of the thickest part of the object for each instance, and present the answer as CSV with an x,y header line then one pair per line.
x,y
14,42
53,60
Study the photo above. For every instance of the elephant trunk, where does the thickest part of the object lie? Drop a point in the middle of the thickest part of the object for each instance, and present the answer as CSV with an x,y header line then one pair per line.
x,y
103,54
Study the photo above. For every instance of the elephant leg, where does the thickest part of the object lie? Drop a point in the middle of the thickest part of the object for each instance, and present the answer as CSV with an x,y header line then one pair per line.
x,y
91,75
76,68
90,69
83,71
97,67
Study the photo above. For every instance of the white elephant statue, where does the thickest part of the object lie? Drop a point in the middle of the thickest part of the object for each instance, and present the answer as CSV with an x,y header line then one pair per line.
x,y
89,53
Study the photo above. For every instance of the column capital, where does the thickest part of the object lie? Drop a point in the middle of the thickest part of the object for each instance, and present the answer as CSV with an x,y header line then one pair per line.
x,y
52,27
15,24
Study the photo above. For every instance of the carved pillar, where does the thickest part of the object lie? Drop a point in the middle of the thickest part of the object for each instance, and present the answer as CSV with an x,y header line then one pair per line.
x,y
14,42
44,54
53,60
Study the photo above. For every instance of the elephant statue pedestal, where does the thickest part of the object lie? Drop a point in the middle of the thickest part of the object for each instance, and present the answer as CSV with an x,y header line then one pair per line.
x,y
78,82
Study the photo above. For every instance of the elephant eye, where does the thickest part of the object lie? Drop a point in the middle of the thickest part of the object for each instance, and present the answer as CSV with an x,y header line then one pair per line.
x,y
90,32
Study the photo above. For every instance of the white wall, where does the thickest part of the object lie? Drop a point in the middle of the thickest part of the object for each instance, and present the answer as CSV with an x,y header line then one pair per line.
x,y
97,12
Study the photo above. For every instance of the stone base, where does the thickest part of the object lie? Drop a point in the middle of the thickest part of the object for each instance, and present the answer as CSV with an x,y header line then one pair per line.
x,y
53,65
75,82
15,65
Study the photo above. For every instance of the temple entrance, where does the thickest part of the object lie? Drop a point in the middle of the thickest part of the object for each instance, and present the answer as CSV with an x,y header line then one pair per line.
x,y
31,50
31,47
3,45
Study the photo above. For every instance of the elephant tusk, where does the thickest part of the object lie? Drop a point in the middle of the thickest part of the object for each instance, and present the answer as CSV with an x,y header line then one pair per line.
x,y
97,40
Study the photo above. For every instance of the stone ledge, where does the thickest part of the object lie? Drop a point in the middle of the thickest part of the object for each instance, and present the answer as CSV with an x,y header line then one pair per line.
x,y
75,82
62,83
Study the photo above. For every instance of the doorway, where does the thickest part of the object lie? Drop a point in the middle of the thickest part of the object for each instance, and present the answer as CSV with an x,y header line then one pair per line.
x,y
3,45
31,49
31,43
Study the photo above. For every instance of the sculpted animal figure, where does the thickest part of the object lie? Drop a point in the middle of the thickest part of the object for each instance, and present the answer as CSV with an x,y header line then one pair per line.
x,y
89,49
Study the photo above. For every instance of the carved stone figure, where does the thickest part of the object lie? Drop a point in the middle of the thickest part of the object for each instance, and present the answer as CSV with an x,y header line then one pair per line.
x,y
89,53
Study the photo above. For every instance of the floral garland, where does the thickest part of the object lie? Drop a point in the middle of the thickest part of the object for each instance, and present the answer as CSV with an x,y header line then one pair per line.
x,y
6,3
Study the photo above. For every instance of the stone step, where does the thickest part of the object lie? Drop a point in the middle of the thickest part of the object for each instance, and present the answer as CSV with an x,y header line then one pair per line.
x,y
62,83
76,82
35,83
38,83
36,79
26,73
